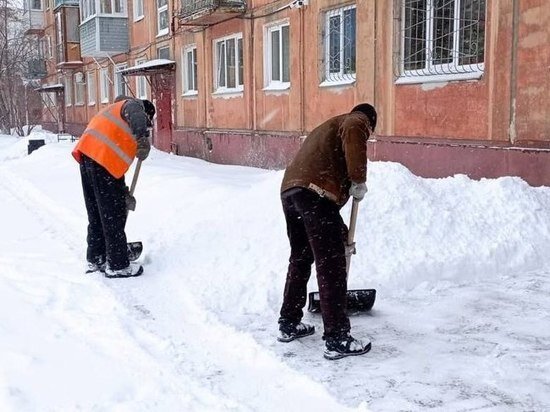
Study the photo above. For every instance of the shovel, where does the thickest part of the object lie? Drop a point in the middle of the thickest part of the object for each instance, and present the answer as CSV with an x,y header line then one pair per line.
x,y
359,300
135,248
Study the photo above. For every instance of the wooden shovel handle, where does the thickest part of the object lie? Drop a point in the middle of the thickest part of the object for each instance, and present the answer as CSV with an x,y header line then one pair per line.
x,y
135,178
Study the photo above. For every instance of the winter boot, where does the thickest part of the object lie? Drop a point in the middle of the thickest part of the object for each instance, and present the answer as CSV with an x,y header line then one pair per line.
x,y
345,345
288,331
134,269
97,266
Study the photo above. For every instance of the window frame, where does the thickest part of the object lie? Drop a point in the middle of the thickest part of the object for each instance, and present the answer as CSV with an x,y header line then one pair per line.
x,y
138,17
31,5
342,78
68,90
140,79
91,87
239,83
162,9
104,88
269,82
187,50
119,81
79,93
426,75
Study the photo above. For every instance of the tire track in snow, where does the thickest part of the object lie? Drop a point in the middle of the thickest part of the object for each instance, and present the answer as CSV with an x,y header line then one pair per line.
x,y
249,379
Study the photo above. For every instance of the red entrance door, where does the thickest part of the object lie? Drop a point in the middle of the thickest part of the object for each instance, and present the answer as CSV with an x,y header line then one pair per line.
x,y
162,98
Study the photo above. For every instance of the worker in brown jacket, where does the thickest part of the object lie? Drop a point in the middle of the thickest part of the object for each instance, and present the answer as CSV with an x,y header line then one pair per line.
x,y
330,166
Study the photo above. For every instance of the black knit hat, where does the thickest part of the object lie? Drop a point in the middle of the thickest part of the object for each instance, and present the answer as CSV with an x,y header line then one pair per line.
x,y
369,110
149,108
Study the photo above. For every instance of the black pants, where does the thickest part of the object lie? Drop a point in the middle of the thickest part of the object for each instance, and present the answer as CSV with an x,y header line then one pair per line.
x,y
105,198
317,234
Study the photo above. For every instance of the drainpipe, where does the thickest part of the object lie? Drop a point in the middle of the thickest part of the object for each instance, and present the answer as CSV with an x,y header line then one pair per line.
x,y
302,77
512,131
253,68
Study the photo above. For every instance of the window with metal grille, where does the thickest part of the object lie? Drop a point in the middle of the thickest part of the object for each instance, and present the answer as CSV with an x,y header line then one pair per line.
x,y
441,40
339,42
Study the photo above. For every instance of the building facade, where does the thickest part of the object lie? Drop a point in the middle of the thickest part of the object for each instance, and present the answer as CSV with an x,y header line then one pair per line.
x,y
461,86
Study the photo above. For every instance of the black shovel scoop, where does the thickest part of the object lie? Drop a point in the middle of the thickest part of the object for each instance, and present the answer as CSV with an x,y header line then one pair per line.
x,y
359,300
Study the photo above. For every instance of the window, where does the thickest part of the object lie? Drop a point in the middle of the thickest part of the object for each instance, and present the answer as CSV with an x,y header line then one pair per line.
x,y
339,43
277,57
162,16
46,47
163,53
87,9
189,71
112,6
141,83
228,64
68,90
138,9
36,4
104,85
91,88
121,87
79,89
442,40
60,36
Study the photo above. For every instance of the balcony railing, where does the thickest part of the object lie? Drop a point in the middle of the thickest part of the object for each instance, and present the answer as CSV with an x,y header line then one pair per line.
x,y
208,12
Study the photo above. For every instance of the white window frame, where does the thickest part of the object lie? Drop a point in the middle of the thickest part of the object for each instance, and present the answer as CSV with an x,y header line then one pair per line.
x,y
104,85
270,83
341,77
79,92
141,83
32,8
119,81
160,10
92,89
470,71
69,90
189,51
239,83
137,15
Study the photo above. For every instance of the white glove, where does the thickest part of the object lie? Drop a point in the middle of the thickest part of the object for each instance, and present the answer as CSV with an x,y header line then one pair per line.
x,y
350,249
358,190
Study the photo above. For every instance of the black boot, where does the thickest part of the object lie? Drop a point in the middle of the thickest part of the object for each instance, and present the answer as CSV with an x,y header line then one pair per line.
x,y
288,331
345,345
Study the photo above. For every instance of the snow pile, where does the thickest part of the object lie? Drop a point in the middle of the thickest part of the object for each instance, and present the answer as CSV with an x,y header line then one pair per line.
x,y
461,268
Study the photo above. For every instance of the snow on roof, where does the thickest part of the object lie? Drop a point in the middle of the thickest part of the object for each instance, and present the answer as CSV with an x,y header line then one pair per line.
x,y
50,87
150,67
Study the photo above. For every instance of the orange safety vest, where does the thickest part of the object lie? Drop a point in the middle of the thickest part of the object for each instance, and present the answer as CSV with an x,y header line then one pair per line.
x,y
109,141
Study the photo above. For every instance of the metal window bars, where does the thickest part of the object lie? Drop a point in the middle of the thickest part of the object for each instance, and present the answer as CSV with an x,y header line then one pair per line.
x,y
440,37
339,42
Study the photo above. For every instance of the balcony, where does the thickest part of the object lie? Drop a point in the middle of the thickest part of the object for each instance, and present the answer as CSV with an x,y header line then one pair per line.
x,y
208,12
67,48
35,16
103,36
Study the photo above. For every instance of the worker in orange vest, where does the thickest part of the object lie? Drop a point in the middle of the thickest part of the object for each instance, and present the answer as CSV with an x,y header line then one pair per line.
x,y
113,138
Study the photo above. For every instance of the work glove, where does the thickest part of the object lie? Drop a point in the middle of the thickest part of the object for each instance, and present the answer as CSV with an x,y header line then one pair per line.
x,y
350,249
130,201
358,190
143,148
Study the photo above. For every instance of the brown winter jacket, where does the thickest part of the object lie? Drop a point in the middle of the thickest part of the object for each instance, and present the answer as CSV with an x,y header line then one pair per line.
x,y
332,156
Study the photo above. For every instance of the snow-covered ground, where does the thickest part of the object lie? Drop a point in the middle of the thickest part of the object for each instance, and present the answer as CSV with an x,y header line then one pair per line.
x,y
461,322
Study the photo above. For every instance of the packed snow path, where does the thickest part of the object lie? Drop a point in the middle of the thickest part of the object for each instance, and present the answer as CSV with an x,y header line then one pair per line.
x,y
460,326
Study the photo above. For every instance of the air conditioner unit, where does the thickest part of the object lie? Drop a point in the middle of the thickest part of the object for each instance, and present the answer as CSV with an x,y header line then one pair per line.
x,y
79,77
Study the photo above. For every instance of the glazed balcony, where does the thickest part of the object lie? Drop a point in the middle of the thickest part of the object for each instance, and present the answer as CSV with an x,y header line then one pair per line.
x,y
104,28
208,12
34,15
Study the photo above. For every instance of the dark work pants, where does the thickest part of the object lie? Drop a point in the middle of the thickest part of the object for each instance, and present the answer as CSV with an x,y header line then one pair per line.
x,y
105,198
317,234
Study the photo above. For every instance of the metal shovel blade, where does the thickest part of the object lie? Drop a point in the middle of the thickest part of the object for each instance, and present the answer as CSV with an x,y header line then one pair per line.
x,y
359,300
